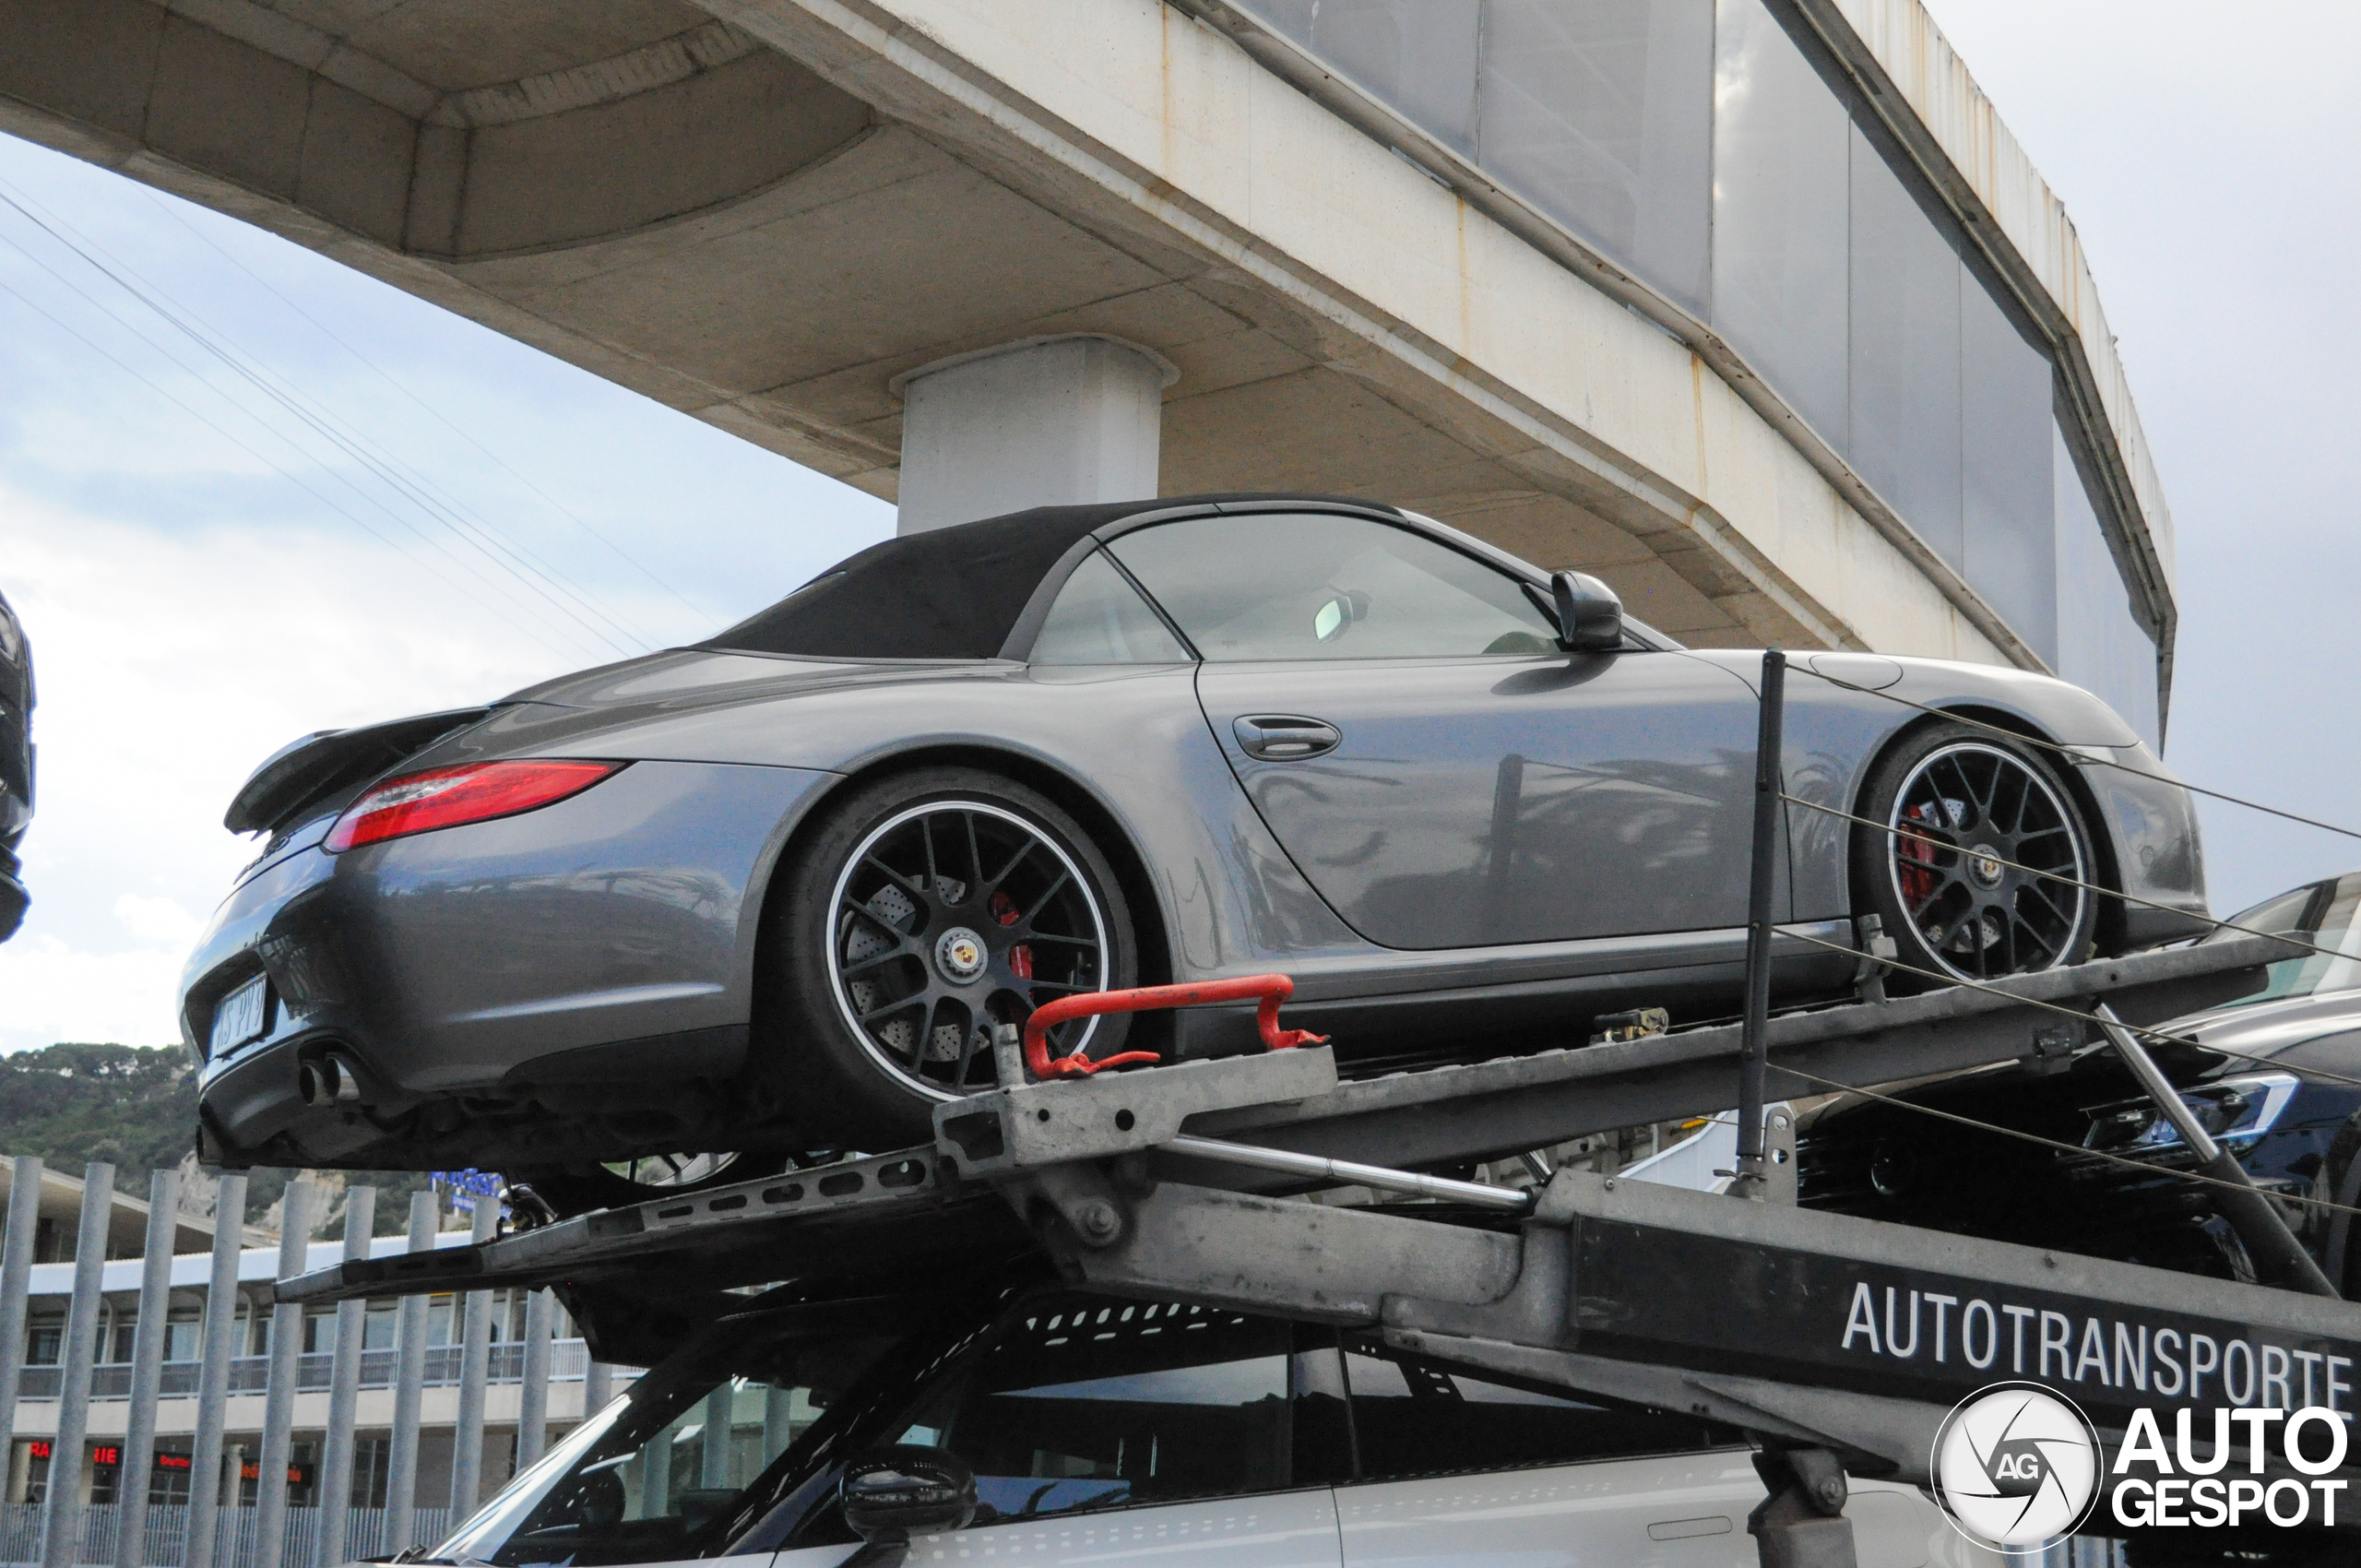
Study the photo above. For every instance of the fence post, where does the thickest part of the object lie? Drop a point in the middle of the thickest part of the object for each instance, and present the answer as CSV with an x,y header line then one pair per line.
x,y
597,1383
286,1368
475,1367
533,1393
1769,850
16,1294
62,1508
213,1375
146,1370
409,1379
344,1387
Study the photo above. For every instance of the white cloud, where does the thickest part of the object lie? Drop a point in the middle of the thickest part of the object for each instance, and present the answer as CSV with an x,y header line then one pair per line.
x,y
158,920
170,663
50,992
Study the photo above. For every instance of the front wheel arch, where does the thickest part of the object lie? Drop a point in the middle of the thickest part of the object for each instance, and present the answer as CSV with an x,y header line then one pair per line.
x,y
2108,875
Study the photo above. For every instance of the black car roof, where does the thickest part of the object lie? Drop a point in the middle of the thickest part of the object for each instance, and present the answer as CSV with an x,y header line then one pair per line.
x,y
955,592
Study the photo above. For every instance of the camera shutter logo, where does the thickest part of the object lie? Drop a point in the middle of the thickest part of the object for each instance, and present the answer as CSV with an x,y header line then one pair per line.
x,y
2016,1464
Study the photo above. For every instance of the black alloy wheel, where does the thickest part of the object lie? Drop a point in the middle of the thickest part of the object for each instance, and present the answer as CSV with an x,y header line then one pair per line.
x,y
1983,866
923,911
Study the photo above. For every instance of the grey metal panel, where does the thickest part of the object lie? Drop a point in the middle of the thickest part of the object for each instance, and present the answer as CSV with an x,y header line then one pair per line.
x,y
278,1399
1418,55
15,1286
2100,643
409,1379
146,1369
1600,113
1905,349
61,1519
1508,800
204,1476
344,1389
2008,523
1781,197
475,1370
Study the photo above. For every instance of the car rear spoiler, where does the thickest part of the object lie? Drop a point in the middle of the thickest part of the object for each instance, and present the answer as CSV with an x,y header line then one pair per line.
x,y
329,760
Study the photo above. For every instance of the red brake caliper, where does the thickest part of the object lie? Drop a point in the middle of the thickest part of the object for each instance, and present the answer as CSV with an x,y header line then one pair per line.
x,y
1917,853
1020,957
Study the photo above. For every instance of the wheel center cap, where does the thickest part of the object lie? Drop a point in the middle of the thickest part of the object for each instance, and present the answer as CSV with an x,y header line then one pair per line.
x,y
1984,864
960,954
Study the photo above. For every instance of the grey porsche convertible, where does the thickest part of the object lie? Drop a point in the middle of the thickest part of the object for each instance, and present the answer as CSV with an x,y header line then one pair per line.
x,y
771,894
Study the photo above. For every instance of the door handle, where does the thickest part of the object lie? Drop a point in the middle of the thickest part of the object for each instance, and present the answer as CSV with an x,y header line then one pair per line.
x,y
1285,737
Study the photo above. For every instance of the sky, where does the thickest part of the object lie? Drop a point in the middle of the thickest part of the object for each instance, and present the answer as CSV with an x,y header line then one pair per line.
x,y
317,502
205,575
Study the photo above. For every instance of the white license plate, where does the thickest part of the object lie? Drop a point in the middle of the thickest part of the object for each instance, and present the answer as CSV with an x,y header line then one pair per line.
x,y
239,1019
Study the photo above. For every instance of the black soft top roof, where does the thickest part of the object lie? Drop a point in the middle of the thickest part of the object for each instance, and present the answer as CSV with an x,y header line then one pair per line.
x,y
949,593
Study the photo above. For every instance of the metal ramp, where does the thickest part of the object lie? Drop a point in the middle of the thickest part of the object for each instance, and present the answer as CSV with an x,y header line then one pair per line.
x,y
1176,1182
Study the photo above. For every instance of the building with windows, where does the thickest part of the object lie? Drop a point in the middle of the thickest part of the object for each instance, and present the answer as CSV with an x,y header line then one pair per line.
x,y
1753,307
32,1468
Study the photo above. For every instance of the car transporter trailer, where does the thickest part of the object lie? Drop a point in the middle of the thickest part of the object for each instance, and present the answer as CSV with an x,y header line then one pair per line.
x,y
1176,1184
1184,1183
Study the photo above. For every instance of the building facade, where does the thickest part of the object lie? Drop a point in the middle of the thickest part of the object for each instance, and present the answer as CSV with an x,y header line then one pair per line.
x,y
1751,307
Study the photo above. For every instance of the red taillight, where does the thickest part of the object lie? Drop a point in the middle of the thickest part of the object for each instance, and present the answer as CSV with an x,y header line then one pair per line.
x,y
447,797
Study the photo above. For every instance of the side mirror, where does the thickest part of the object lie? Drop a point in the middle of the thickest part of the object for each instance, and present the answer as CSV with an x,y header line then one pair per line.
x,y
889,1494
1590,618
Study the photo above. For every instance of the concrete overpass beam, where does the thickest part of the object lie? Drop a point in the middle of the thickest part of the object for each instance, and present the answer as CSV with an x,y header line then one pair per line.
x,y
1044,421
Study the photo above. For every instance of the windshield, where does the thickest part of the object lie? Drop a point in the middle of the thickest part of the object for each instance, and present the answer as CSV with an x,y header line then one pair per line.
x,y
654,1475
2321,913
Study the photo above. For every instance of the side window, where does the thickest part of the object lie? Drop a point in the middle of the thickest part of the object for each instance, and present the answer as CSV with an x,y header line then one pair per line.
x,y
1086,1404
1319,586
1099,618
1413,1418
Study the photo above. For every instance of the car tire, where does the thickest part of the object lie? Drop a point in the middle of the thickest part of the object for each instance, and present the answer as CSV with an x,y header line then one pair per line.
x,y
918,911
1954,805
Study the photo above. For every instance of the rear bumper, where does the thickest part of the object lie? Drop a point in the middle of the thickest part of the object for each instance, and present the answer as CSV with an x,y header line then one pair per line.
x,y
544,973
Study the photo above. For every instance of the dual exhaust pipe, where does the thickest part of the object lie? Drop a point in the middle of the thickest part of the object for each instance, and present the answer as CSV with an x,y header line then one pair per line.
x,y
329,1080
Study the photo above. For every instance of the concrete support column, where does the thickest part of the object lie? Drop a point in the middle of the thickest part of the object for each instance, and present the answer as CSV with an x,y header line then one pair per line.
x,y
344,1388
777,1413
597,1386
62,1511
16,1292
713,1466
213,1374
533,1393
409,1379
286,1368
1047,422
475,1367
146,1370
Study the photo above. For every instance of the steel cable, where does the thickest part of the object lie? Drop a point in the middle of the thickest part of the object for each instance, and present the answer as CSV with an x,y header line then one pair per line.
x,y
2077,754
2060,876
2060,1147
2320,1073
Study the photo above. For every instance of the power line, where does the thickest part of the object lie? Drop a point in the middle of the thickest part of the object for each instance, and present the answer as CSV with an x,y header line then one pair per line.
x,y
392,544
480,538
433,412
2078,756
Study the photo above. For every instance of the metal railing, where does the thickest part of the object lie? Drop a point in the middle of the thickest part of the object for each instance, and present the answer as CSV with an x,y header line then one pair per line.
x,y
234,1543
569,1361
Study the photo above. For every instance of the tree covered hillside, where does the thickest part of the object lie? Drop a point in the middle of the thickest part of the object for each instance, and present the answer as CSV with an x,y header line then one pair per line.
x,y
134,1107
